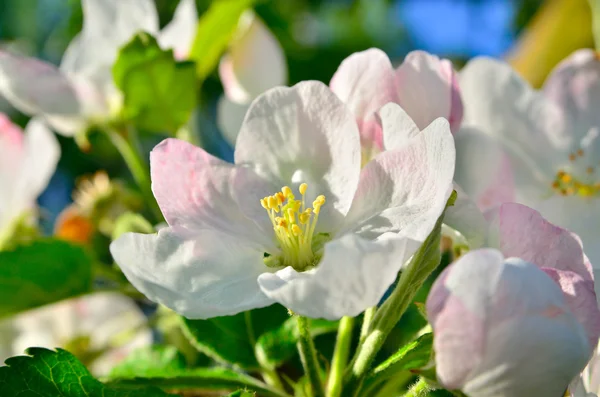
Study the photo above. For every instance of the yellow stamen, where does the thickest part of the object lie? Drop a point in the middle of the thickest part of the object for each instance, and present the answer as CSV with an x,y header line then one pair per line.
x,y
295,228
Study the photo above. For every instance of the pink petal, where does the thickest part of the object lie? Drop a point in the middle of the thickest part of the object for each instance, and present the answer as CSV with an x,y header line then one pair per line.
x,y
581,299
365,82
522,232
428,89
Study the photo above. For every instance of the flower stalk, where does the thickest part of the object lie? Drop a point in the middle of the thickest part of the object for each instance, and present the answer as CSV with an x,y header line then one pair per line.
x,y
308,356
340,357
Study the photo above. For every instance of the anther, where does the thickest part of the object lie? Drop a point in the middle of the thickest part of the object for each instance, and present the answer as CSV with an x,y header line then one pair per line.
x,y
287,192
303,188
296,231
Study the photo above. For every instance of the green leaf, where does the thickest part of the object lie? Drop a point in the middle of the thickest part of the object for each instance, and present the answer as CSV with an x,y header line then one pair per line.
x,y
231,339
213,379
58,373
155,360
159,93
275,347
414,355
215,29
43,272
242,393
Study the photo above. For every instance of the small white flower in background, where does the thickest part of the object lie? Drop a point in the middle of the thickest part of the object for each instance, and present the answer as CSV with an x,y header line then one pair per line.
x,y
295,220
517,320
27,161
254,64
104,327
539,148
81,91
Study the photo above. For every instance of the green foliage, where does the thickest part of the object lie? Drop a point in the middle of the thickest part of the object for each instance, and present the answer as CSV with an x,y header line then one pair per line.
x,y
414,355
216,379
43,272
58,374
242,393
131,222
215,29
159,93
231,339
277,346
149,361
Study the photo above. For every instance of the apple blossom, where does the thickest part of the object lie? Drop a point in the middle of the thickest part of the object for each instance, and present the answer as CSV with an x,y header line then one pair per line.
x,y
27,161
238,240
520,319
539,148
254,63
104,325
588,383
423,85
81,91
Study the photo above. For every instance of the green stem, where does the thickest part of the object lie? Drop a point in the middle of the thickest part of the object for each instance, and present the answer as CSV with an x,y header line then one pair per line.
x,y
422,264
418,389
366,324
308,356
126,143
340,357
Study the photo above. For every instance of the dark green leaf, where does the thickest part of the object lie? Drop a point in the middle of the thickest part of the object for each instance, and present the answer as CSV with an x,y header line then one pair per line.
x,y
159,93
214,379
149,361
231,339
43,272
275,347
414,355
215,29
58,373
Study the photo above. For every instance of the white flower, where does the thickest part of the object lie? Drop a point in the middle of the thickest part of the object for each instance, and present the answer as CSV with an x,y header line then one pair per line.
x,y
107,323
327,244
81,90
539,148
27,161
254,64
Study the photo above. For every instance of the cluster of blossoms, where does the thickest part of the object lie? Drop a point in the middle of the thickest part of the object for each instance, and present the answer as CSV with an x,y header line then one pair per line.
x,y
377,153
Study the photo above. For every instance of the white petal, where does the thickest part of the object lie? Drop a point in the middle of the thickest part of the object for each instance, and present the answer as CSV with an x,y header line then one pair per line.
x,y
353,275
38,88
255,61
398,127
230,116
483,169
500,103
304,134
205,275
179,34
466,218
405,190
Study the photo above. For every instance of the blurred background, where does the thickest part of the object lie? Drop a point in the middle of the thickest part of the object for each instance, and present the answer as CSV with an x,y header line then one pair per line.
x,y
534,35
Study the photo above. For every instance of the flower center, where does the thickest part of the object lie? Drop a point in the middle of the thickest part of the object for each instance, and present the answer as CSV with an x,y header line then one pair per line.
x,y
567,183
294,225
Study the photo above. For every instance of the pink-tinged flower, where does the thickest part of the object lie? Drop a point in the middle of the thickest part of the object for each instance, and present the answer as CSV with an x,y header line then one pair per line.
x,y
254,64
106,324
326,244
588,383
520,319
81,91
27,161
503,329
538,148
424,85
